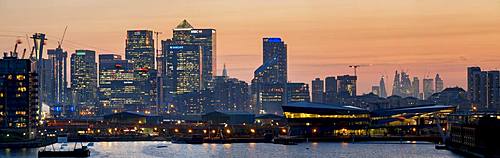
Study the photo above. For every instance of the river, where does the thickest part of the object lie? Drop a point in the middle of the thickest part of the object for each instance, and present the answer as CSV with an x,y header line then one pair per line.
x,y
144,149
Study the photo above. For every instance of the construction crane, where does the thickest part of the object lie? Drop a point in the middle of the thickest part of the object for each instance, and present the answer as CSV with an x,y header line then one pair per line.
x,y
355,67
62,38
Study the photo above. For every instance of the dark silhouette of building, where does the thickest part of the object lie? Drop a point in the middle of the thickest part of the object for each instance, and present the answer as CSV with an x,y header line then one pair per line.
x,y
347,86
331,90
317,90
298,92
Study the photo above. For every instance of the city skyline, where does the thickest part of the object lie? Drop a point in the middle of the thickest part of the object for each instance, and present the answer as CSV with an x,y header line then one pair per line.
x,y
389,41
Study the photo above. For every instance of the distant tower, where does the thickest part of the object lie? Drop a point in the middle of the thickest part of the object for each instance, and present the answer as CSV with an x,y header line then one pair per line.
x,y
439,83
317,90
224,71
383,92
428,87
415,86
396,86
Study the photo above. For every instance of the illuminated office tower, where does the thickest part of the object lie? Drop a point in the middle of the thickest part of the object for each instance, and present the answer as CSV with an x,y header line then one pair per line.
x,y
19,110
140,49
269,82
183,68
185,34
84,82
117,86
317,90
406,88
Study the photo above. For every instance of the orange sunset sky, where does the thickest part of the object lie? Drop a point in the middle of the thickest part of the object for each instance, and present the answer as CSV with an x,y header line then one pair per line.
x,y
422,37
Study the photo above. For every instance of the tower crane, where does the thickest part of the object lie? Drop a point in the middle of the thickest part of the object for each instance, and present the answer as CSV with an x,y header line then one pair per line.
x,y
355,67
62,38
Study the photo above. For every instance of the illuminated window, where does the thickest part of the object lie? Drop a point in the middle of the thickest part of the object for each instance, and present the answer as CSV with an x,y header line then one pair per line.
x,y
21,89
20,112
20,77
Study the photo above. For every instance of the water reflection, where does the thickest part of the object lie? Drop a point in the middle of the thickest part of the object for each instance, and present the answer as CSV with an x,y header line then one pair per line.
x,y
252,150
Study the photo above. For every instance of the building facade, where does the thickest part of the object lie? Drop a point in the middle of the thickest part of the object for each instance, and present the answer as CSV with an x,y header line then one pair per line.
x,y
84,82
269,82
318,90
297,92
19,110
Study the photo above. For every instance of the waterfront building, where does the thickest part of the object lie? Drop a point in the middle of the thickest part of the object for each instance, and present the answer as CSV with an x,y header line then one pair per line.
x,y
269,82
347,86
439,85
19,110
84,82
58,61
118,89
472,86
331,88
428,87
325,120
383,91
317,90
484,90
298,92
229,117
412,120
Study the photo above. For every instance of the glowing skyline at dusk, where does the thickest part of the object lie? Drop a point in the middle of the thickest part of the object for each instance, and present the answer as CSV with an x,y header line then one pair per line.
x,y
323,38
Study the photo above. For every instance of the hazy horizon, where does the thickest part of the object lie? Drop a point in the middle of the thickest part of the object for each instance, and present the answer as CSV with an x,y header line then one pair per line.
x,y
323,37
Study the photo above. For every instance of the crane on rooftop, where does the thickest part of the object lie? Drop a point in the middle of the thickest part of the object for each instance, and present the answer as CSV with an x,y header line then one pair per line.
x,y
355,68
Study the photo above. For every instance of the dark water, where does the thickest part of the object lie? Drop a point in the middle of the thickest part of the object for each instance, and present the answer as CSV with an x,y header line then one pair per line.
x,y
251,150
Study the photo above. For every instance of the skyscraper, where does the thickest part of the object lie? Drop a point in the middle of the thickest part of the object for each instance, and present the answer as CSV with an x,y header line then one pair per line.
x,y
317,90
439,84
415,86
269,82
330,90
184,33
428,87
139,49
18,98
396,85
84,81
406,88
117,85
59,62
298,92
183,68
472,89
493,91
347,86
383,92
376,90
